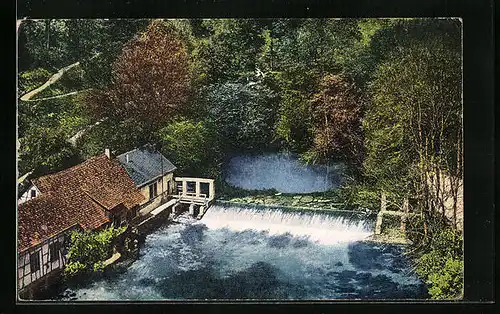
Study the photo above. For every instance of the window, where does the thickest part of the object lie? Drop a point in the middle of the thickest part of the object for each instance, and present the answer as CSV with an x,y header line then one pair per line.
x,y
35,261
153,191
191,187
116,220
54,251
159,185
131,214
33,193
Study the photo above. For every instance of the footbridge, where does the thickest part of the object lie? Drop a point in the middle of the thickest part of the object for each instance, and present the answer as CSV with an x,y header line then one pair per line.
x,y
196,193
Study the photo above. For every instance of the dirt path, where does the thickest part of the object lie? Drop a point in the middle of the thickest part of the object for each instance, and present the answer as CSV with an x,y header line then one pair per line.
x,y
80,133
54,78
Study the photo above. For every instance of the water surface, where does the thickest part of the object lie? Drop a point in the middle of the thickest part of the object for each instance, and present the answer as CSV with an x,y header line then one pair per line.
x,y
255,253
282,172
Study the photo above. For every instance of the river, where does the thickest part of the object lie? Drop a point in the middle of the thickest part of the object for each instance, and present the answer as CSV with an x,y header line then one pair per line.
x,y
260,253
245,252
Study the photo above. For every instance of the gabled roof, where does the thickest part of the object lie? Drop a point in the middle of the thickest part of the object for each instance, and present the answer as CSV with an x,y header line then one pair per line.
x,y
48,215
145,164
79,195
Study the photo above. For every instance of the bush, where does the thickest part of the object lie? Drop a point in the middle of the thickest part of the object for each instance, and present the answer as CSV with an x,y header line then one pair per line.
x,y
447,283
88,250
442,266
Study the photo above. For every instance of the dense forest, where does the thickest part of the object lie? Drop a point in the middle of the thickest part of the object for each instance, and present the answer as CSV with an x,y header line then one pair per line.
x,y
384,96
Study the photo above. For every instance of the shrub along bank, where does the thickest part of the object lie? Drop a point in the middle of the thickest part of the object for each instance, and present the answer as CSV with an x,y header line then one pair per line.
x,y
89,250
441,266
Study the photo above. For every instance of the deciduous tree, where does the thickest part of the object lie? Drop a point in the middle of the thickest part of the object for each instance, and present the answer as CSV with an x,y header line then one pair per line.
x,y
45,150
244,114
151,80
337,111
192,147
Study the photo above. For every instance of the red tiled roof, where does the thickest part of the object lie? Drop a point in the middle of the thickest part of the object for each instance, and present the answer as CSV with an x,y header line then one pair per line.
x,y
78,195
47,215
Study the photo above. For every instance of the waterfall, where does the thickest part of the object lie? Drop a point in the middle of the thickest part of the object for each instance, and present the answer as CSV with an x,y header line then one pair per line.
x,y
320,228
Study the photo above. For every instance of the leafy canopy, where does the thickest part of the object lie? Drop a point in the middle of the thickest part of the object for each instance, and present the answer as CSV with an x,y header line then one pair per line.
x,y
151,80
192,147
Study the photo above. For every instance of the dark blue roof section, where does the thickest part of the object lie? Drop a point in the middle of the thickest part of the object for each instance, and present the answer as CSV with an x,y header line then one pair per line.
x,y
145,164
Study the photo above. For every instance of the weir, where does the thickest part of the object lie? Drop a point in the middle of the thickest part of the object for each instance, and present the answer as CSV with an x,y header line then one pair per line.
x,y
324,228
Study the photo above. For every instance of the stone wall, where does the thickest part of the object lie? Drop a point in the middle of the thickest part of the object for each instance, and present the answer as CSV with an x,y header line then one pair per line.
x,y
304,200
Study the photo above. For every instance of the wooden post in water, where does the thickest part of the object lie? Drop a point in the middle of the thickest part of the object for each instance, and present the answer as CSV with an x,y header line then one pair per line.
x,y
383,205
404,217
197,191
184,187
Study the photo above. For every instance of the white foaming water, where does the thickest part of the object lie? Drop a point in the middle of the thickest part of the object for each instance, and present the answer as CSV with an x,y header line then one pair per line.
x,y
319,228
251,253
282,172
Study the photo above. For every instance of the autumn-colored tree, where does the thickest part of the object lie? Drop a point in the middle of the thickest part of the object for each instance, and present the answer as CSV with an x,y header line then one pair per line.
x,y
337,111
150,79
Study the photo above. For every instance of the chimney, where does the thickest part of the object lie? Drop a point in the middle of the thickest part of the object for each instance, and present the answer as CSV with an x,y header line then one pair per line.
x,y
126,156
107,152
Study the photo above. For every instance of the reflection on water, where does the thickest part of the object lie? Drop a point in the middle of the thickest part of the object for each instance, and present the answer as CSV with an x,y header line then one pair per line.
x,y
209,259
282,172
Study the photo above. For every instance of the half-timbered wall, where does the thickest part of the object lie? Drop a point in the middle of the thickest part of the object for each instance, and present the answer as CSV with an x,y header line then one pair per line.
x,y
47,261
31,193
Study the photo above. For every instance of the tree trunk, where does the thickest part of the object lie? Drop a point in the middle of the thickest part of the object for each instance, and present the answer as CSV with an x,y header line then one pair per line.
x,y
383,202
404,217
440,194
47,33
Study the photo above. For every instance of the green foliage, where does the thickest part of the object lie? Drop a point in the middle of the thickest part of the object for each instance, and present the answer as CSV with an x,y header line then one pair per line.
x,y
43,43
414,118
53,44
63,115
357,195
45,150
448,282
244,115
294,123
30,80
231,48
192,147
228,191
442,266
70,81
88,250
72,268
118,136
